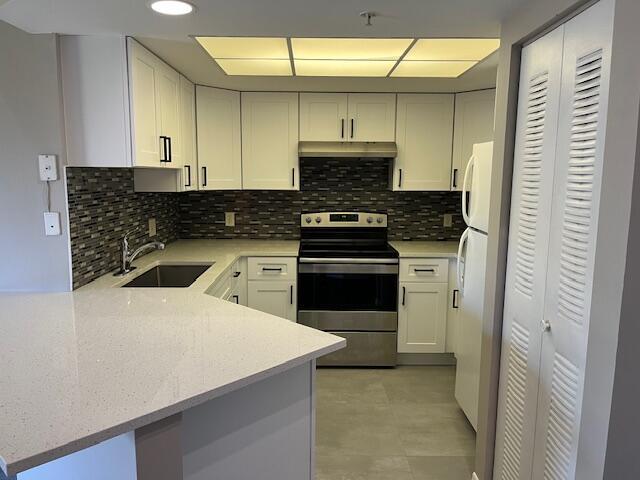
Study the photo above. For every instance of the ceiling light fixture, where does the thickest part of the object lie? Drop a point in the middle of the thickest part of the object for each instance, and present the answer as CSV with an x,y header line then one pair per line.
x,y
171,7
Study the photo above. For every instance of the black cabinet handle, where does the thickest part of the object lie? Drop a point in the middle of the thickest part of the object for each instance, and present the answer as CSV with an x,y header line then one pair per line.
x,y
352,125
454,303
399,177
293,177
188,168
291,293
236,274
432,270
271,269
170,156
455,178
404,295
237,298
164,158
342,128
204,176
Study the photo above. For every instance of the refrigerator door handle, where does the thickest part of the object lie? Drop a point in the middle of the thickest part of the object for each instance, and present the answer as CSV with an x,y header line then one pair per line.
x,y
465,213
461,260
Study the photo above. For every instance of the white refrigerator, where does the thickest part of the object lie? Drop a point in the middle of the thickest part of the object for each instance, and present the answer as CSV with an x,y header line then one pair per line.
x,y
472,260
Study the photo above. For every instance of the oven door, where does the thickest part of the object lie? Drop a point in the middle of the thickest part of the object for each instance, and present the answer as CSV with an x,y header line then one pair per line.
x,y
341,295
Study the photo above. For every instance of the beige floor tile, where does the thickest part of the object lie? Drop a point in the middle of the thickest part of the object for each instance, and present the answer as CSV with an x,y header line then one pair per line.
x,y
431,442
441,468
362,467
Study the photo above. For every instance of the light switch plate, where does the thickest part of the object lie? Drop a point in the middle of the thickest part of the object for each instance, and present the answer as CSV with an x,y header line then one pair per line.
x,y
230,219
48,168
153,230
448,219
51,223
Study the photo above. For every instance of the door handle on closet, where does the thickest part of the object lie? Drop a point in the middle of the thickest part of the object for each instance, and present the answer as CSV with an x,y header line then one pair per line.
x,y
546,326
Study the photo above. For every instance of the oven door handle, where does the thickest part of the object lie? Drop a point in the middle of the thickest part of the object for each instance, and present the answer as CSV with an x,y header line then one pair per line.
x,y
344,268
383,261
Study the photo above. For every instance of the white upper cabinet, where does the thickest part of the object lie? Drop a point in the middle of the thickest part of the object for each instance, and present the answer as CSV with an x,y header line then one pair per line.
x,y
347,117
372,117
423,136
323,117
188,134
270,141
145,110
219,155
473,124
168,82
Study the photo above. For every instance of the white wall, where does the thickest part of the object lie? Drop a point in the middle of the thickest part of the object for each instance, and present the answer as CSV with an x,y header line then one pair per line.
x,y
31,122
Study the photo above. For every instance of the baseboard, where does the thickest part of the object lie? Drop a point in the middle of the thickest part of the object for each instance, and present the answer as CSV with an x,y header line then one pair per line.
x,y
474,476
426,359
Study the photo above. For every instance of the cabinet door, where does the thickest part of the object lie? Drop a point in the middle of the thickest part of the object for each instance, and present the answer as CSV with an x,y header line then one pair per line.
x,y
422,317
219,157
532,188
168,81
473,124
424,133
274,297
323,117
372,117
188,134
574,224
270,141
453,302
145,110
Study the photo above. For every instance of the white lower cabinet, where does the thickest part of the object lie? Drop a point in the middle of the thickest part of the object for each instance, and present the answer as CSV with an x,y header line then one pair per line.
x,y
452,309
275,297
422,317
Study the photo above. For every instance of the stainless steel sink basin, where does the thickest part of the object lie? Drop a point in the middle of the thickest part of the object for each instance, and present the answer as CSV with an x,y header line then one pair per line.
x,y
168,276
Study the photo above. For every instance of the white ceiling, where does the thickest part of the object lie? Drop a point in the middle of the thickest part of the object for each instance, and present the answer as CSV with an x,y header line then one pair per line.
x,y
169,37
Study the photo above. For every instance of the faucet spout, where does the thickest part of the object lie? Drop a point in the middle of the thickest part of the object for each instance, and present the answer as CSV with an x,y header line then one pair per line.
x,y
126,256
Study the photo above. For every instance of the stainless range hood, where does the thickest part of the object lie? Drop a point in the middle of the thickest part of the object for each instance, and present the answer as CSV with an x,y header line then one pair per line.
x,y
348,149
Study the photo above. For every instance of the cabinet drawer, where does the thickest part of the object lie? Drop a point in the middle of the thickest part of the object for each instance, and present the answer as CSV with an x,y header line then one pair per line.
x,y
272,268
433,270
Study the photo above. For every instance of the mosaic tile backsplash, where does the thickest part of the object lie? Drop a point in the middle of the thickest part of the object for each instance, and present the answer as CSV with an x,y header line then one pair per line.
x,y
103,205
349,184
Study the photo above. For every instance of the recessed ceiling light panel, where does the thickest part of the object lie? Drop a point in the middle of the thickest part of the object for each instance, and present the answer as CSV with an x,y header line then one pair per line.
x,y
171,7
253,67
343,68
432,69
246,47
349,48
448,49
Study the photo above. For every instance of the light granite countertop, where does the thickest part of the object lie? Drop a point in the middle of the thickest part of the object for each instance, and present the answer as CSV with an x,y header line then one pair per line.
x,y
84,366
425,249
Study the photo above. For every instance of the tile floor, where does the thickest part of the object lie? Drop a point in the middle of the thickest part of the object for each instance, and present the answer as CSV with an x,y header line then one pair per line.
x,y
391,424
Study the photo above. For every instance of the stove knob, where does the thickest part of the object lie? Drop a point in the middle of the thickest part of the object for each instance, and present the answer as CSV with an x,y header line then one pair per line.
x,y
369,219
318,219
308,219
379,220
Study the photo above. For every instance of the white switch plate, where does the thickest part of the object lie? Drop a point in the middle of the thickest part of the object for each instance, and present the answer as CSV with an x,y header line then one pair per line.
x,y
230,219
153,230
51,223
48,168
448,219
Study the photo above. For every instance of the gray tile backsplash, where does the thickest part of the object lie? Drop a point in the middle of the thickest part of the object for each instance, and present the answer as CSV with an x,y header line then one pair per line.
x,y
103,205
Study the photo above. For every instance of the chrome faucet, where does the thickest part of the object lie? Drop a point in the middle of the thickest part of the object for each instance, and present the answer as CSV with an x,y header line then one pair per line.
x,y
126,256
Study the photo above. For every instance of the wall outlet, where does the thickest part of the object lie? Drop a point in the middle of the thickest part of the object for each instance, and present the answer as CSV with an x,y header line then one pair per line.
x,y
152,227
230,219
448,220
48,168
51,223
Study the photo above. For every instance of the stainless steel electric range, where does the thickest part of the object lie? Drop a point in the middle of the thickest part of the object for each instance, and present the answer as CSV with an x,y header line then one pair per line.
x,y
348,285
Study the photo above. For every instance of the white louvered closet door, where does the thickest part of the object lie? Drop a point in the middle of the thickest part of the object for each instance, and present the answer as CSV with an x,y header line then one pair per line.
x,y
579,157
531,201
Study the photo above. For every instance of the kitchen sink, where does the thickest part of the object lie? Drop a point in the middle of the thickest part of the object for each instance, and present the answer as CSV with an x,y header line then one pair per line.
x,y
176,276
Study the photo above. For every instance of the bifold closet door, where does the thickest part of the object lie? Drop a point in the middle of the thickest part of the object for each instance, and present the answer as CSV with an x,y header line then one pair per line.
x,y
574,218
532,189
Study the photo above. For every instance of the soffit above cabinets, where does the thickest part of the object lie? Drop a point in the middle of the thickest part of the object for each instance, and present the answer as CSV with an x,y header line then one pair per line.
x,y
347,57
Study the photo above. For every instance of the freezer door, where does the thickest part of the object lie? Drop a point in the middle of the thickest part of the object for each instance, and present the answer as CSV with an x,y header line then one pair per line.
x,y
470,325
476,187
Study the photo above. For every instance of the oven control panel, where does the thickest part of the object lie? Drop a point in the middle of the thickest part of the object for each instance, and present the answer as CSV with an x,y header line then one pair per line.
x,y
343,219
